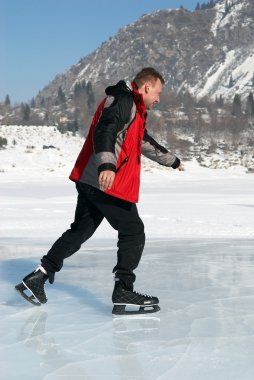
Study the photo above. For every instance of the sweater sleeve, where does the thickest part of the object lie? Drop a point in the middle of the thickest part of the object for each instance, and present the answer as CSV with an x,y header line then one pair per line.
x,y
156,152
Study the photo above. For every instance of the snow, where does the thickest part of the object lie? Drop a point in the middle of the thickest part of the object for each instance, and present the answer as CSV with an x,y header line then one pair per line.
x,y
216,74
83,71
231,19
243,74
238,62
198,260
24,151
217,77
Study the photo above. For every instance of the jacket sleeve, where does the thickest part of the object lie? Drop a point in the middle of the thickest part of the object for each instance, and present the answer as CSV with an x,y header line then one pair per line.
x,y
114,116
154,151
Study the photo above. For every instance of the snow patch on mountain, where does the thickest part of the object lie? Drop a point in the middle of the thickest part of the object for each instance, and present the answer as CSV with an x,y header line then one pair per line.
x,y
83,71
229,18
217,74
216,81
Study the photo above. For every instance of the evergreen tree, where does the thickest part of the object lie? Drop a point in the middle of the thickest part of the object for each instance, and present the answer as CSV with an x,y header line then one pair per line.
x,y
81,89
210,4
90,94
7,101
46,118
227,7
221,101
250,105
61,99
42,102
77,90
25,112
32,103
3,142
73,127
237,106
231,82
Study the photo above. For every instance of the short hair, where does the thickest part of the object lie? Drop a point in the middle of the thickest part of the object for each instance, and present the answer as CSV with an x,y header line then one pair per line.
x,y
147,74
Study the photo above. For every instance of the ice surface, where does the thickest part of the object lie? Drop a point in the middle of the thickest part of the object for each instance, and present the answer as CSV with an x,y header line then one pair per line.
x,y
199,261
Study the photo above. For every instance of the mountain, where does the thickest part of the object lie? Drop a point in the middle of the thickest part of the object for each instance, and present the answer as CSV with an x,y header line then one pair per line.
x,y
207,59
231,46
197,51
207,52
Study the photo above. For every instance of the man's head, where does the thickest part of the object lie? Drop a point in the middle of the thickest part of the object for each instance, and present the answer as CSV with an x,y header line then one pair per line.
x,y
150,84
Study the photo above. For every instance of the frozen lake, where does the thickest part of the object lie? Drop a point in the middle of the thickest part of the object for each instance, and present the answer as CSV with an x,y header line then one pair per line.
x,y
199,261
204,330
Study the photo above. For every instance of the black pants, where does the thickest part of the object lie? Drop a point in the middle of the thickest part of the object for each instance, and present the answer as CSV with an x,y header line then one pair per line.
x,y
92,206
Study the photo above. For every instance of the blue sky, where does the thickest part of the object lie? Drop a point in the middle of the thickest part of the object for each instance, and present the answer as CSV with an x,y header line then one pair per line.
x,y
42,38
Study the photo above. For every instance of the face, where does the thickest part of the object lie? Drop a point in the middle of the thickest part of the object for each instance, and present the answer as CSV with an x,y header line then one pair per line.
x,y
151,93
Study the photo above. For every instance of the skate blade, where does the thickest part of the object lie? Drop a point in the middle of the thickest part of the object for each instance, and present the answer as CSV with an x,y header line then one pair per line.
x,y
121,309
20,288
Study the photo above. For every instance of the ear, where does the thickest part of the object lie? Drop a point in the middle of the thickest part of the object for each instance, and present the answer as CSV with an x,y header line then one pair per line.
x,y
147,87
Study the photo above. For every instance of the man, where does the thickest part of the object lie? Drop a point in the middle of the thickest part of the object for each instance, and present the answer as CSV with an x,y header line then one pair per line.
x,y
107,177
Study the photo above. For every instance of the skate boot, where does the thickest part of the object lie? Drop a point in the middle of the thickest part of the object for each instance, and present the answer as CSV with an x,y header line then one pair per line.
x,y
137,302
34,282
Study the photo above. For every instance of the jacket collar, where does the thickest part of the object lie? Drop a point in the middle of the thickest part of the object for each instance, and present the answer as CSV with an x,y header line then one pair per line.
x,y
138,99
127,86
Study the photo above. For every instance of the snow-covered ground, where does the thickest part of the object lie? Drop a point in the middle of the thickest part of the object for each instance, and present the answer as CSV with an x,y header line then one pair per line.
x,y
199,260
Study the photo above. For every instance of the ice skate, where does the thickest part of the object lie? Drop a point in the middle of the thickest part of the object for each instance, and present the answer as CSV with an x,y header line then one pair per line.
x,y
34,282
135,302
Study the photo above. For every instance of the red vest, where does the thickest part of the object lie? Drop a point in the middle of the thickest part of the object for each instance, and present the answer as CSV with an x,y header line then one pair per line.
x,y
127,180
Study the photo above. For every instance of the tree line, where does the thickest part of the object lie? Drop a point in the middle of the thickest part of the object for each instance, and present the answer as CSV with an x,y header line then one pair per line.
x,y
204,117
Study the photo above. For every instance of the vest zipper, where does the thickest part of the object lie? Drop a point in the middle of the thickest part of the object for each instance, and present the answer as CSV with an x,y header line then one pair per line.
x,y
122,163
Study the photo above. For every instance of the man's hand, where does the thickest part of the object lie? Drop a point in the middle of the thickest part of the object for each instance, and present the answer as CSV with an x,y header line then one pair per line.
x,y
180,167
106,179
